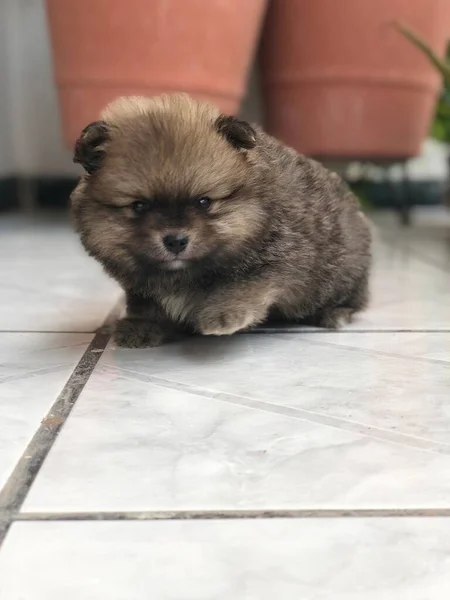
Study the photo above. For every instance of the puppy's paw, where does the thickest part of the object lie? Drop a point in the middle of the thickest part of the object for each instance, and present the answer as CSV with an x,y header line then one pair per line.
x,y
227,323
138,333
336,318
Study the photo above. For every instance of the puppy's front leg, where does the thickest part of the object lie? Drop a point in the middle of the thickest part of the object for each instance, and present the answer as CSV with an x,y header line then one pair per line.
x,y
235,309
145,325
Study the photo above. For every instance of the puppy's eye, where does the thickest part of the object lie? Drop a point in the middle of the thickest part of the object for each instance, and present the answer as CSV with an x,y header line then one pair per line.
x,y
140,207
204,203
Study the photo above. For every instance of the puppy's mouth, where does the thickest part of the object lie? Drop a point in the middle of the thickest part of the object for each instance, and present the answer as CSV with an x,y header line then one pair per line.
x,y
175,264
150,264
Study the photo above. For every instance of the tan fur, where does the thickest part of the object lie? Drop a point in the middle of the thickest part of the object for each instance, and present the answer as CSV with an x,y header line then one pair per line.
x,y
177,306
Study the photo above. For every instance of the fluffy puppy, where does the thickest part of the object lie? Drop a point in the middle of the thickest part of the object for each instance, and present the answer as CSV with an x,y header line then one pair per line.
x,y
212,226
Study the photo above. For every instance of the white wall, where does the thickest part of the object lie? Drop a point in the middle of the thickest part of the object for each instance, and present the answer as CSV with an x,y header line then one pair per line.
x,y
36,144
6,151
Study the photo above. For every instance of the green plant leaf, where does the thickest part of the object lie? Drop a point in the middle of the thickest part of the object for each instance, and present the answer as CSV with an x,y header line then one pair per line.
x,y
442,66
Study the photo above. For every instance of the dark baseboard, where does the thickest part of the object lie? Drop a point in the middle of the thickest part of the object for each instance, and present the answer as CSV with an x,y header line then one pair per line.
x,y
8,194
54,192
46,192
391,195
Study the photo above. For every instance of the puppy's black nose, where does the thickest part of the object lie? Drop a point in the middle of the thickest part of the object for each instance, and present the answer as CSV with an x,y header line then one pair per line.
x,y
176,243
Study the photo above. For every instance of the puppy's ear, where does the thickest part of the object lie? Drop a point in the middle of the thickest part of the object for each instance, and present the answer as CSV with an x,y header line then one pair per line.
x,y
240,134
88,148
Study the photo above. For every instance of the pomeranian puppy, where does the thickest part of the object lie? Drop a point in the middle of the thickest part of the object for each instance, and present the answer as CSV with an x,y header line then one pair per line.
x,y
212,226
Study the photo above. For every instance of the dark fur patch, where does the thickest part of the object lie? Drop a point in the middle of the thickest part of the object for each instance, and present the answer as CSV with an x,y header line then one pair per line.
x,y
240,134
87,152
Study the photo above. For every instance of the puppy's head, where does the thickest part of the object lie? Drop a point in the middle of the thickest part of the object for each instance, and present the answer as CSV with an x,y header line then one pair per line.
x,y
169,185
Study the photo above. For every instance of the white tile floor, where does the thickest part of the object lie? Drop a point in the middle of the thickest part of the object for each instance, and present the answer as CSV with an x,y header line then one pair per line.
x,y
310,465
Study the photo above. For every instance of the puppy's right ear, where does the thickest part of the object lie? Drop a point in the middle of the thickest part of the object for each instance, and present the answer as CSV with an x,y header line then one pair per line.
x,y
89,149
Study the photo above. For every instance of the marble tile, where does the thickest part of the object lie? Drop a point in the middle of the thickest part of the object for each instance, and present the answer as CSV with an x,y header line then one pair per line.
x,y
343,559
385,391
33,370
418,345
131,445
410,282
48,283
428,236
407,293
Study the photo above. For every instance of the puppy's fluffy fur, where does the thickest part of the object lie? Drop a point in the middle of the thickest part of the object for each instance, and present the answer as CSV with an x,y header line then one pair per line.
x,y
265,233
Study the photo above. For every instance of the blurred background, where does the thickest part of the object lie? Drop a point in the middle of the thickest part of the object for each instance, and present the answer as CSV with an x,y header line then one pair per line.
x,y
336,80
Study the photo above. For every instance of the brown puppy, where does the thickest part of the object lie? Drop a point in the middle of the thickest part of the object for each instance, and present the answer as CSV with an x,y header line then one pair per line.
x,y
212,226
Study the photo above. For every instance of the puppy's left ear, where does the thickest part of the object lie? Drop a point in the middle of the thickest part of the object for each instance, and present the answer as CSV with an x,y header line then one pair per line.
x,y
240,134
89,149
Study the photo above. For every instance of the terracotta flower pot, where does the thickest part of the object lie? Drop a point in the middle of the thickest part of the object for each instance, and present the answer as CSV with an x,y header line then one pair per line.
x,y
107,48
340,81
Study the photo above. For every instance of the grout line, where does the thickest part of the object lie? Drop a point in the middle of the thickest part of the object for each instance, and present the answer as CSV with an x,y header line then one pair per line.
x,y
13,494
34,373
180,515
303,330
309,416
49,331
288,328
380,353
